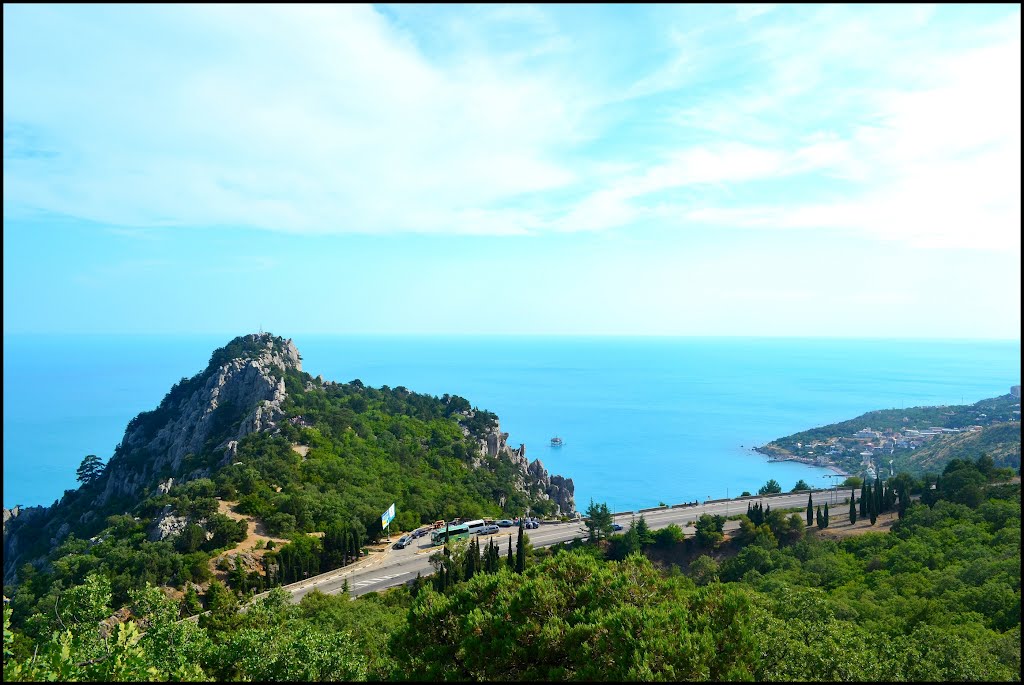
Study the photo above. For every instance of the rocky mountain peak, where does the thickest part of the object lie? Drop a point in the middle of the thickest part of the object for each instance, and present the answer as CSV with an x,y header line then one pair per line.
x,y
240,392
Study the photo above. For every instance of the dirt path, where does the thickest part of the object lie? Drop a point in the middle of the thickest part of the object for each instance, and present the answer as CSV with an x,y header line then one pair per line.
x,y
256,535
256,532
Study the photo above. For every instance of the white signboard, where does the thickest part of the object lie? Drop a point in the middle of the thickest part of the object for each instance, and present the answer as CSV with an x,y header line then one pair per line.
x,y
386,517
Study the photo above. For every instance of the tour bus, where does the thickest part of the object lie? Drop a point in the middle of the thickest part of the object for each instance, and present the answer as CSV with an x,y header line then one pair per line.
x,y
443,535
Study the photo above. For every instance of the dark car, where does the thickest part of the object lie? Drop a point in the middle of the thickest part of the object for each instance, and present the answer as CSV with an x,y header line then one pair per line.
x,y
402,542
616,526
505,523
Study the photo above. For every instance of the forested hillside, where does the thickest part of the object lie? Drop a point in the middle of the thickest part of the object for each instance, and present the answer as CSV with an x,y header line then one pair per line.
x,y
314,462
935,599
908,437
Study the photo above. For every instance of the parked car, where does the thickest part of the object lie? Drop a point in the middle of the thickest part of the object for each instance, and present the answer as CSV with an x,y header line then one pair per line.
x,y
616,526
505,523
532,523
488,529
402,542
419,533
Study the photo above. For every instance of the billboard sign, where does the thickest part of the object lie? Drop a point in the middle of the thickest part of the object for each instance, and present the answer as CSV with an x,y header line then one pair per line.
x,y
386,517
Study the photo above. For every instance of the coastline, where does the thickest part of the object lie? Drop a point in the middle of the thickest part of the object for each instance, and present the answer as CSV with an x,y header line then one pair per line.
x,y
776,455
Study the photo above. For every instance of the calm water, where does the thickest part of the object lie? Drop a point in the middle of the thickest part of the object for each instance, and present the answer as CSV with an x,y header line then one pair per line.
x,y
644,419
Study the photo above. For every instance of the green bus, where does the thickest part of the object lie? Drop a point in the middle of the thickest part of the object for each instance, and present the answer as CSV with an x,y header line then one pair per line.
x,y
443,535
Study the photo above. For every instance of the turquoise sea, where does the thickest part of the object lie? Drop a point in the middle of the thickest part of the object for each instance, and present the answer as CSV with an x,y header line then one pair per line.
x,y
644,420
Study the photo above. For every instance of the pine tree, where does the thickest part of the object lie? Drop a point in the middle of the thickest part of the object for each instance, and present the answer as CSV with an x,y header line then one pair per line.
x,y
90,469
853,508
810,510
643,531
825,515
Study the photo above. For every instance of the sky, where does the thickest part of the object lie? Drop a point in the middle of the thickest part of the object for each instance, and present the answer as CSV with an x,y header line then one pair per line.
x,y
688,170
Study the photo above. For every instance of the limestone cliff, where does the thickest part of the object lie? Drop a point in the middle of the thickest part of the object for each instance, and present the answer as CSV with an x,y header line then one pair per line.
x,y
531,478
250,387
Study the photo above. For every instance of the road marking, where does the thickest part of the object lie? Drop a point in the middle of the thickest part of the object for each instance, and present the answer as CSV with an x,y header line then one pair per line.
x,y
372,581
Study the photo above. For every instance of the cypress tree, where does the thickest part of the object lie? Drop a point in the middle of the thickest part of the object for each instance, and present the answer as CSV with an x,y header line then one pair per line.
x,y
470,567
520,550
748,508
853,508
810,510
509,561
825,515
819,518
902,508
878,496
863,499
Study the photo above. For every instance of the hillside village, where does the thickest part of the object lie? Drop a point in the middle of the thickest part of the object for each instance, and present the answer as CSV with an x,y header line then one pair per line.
x,y
869,452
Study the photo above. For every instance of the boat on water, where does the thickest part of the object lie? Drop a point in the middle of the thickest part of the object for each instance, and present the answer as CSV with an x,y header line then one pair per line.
x,y
557,441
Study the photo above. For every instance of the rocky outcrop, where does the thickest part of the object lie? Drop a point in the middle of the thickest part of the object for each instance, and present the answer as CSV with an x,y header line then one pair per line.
x,y
21,513
531,478
168,524
555,488
251,386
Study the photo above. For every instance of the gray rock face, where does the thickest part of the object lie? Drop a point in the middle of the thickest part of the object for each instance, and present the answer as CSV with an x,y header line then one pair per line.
x,y
556,488
250,385
167,524
532,477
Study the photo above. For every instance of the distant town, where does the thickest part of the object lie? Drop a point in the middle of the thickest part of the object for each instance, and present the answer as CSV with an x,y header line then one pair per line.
x,y
880,451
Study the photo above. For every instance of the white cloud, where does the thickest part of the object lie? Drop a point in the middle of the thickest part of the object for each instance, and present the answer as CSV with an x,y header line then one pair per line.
x,y
334,119
314,118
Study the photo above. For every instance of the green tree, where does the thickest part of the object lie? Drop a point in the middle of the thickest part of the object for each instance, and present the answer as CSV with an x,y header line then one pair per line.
x,y
772,487
810,511
90,469
599,521
643,531
709,530
825,515
521,549
670,535
801,485
853,508
818,518
704,570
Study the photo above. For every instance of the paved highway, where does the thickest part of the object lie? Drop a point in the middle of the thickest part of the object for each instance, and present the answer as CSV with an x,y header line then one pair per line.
x,y
394,567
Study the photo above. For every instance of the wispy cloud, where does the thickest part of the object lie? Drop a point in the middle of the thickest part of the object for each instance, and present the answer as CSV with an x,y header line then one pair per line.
x,y
511,120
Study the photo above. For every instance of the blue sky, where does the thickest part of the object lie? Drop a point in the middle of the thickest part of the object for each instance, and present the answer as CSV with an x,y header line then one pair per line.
x,y
658,170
